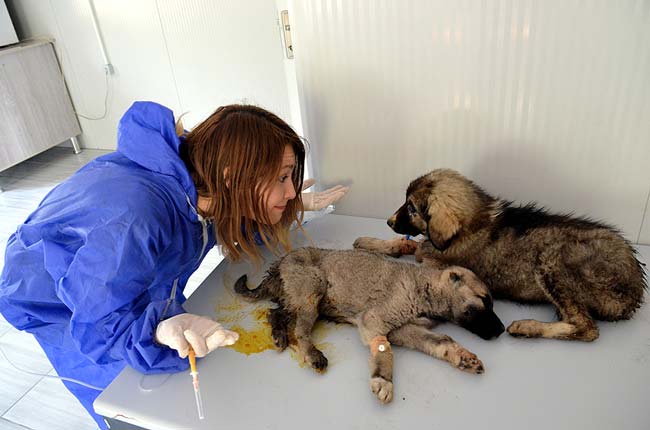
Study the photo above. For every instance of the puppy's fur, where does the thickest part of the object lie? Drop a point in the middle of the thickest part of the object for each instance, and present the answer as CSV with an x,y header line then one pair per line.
x,y
382,297
586,269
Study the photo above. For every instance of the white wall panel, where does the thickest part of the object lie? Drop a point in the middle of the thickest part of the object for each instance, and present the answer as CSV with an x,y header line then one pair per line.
x,y
133,38
534,100
135,45
644,236
225,52
7,32
191,55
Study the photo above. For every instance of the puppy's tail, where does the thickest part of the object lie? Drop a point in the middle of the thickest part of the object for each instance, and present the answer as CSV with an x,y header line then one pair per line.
x,y
241,287
269,288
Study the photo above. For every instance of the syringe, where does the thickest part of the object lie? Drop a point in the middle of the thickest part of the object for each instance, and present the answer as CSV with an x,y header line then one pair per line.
x,y
195,383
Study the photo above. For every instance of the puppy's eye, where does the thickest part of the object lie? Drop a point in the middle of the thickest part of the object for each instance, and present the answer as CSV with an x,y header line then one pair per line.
x,y
454,277
411,209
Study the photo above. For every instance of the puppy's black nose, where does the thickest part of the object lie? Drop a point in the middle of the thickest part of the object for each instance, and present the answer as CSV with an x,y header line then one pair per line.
x,y
390,222
487,326
499,330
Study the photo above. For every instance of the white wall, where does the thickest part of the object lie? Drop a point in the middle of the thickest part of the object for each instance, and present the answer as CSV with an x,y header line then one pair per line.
x,y
644,236
7,32
191,55
535,100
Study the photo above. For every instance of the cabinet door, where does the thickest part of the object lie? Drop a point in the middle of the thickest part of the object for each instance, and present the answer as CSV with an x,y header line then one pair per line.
x,y
35,108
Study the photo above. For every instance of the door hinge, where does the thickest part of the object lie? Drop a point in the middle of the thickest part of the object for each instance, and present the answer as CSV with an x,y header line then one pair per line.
x,y
286,33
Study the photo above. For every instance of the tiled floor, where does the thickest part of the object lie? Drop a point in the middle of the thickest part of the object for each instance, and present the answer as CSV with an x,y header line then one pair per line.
x,y
28,401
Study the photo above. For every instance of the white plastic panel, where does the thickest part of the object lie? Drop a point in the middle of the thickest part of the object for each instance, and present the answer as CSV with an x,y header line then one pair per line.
x,y
534,100
225,52
190,55
7,32
644,236
135,47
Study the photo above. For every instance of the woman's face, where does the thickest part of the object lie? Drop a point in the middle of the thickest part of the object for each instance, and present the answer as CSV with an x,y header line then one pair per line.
x,y
281,190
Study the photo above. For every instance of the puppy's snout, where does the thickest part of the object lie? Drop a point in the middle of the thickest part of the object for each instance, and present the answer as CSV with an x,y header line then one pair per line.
x,y
498,328
487,325
495,326
391,222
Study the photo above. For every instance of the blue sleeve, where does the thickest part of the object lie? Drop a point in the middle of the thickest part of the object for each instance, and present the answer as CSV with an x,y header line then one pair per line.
x,y
106,286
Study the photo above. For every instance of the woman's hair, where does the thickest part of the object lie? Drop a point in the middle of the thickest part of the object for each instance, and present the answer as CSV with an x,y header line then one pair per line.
x,y
235,157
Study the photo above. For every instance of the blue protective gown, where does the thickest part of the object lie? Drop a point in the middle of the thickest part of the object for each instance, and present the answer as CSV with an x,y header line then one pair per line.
x,y
90,273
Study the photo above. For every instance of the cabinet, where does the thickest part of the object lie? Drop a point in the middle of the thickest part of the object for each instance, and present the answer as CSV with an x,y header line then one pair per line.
x,y
36,112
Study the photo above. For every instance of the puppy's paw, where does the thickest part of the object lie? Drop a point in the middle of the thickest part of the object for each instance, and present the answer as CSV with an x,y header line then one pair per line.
x,y
317,360
524,328
279,331
394,247
469,362
370,244
361,242
280,339
382,388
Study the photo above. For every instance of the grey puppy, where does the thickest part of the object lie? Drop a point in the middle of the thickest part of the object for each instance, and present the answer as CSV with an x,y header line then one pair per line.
x,y
389,301
586,269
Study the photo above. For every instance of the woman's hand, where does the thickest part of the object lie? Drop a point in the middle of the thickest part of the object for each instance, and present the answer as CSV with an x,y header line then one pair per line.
x,y
202,334
315,201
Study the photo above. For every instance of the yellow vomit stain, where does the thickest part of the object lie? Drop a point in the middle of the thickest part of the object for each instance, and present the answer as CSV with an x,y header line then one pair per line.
x,y
256,339
250,321
253,341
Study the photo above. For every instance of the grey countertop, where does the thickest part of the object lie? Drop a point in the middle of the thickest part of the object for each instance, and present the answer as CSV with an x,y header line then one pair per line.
x,y
529,384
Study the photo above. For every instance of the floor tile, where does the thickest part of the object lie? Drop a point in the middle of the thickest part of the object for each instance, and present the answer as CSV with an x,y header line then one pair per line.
x,y
6,181
16,171
25,353
23,350
8,425
57,409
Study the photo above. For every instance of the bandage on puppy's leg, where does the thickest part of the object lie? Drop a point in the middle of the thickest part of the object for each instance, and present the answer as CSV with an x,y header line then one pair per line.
x,y
379,344
381,368
407,246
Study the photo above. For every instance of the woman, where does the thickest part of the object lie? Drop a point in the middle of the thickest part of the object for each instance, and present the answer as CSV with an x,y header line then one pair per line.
x,y
97,272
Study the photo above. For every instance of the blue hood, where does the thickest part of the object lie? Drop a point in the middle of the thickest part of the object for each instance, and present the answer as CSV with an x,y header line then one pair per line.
x,y
146,135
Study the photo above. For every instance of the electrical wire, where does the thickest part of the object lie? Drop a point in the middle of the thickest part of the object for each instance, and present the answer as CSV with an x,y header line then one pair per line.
x,y
48,376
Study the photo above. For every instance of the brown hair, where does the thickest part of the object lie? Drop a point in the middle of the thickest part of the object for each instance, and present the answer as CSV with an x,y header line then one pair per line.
x,y
234,157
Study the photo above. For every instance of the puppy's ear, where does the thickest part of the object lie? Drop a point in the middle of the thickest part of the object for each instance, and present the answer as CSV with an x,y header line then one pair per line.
x,y
452,277
443,225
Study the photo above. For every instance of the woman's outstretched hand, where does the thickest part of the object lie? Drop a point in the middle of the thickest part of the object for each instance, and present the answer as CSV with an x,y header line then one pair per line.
x,y
315,201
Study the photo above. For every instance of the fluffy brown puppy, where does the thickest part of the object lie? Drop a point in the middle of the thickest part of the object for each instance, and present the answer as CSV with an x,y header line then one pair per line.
x,y
586,269
391,302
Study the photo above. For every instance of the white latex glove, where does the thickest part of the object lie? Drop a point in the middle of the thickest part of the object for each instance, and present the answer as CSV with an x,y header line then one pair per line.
x,y
203,334
315,201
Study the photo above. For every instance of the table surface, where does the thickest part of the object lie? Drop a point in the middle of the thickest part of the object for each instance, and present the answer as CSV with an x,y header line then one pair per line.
x,y
528,383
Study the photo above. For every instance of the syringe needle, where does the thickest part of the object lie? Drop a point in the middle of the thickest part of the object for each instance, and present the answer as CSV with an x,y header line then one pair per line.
x,y
195,382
